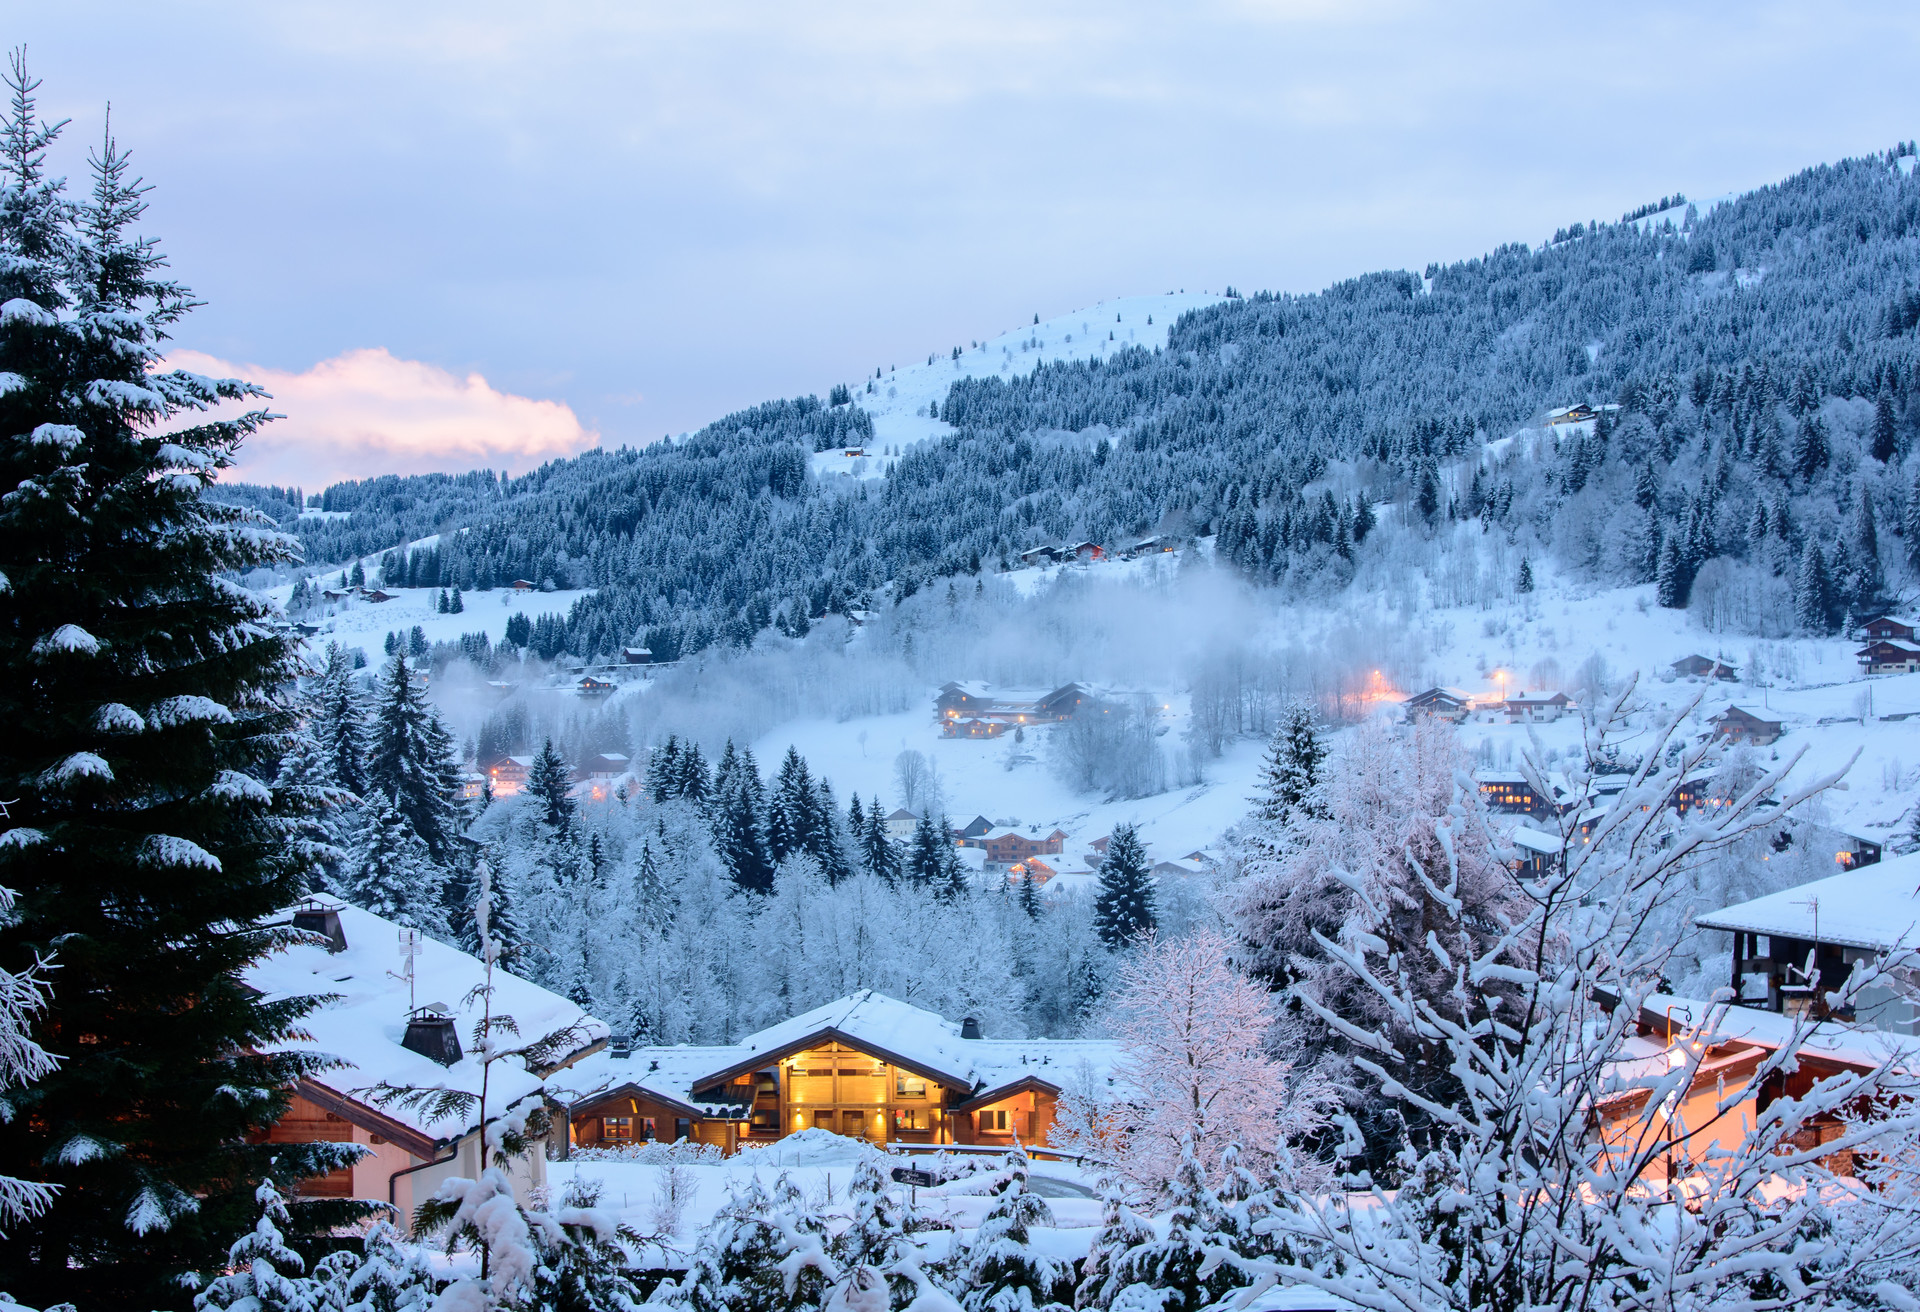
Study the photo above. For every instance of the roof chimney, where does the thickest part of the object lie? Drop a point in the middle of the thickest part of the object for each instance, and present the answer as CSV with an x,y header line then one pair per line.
x,y
430,1033
620,1045
969,1028
319,918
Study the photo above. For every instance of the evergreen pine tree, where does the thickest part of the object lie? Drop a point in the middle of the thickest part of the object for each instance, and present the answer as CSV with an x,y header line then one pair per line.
x,y
1869,581
877,848
1029,898
391,873
143,719
926,859
455,604
663,769
263,1274
738,837
1810,448
339,722
1124,905
1523,582
1004,1272
1886,436
692,783
950,879
1292,767
410,760
1669,582
1813,592
1911,523
830,841
1167,1270
790,809
549,781
304,786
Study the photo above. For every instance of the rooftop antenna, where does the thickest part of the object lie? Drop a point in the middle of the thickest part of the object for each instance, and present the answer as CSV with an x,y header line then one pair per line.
x,y
409,949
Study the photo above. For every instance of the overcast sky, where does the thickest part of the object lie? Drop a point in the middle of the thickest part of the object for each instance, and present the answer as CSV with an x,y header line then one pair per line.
x,y
450,235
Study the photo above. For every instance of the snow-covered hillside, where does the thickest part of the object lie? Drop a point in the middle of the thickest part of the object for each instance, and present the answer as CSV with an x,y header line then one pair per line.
x,y
363,625
900,396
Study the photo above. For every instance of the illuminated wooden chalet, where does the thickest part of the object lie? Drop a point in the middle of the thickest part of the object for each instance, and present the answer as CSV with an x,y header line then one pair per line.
x,y
866,1066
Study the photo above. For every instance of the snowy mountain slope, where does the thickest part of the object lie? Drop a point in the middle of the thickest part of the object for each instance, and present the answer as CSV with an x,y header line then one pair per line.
x,y
363,625
899,397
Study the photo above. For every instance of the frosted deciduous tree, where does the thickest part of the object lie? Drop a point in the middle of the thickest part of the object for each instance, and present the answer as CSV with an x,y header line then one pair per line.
x,y
1557,1179
1194,1077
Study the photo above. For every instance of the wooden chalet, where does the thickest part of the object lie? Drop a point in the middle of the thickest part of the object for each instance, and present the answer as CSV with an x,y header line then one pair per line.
x,y
592,687
958,702
1439,704
1005,845
973,728
1859,915
376,596
866,1066
1572,414
636,656
1507,792
1888,657
977,827
1742,726
1886,628
1699,667
1043,555
1537,707
523,585
375,973
507,775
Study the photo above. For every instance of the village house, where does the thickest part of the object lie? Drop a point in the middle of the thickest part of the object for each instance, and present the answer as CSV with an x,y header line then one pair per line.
x,y
972,728
402,1006
1004,846
1507,792
1699,667
1570,414
507,775
866,1066
523,585
977,827
1439,704
1859,915
957,702
902,823
636,656
1885,628
1537,707
1887,657
592,687
1742,726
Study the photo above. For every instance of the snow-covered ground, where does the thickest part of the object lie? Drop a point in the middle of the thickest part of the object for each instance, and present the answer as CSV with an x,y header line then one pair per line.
x,y
365,624
1543,640
899,399
821,1166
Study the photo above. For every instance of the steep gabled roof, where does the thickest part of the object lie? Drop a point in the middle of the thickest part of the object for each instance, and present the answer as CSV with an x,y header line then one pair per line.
x,y
363,1025
898,1032
1876,906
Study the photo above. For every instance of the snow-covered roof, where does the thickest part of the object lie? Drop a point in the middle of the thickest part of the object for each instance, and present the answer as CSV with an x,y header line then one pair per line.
x,y
1535,841
1876,906
363,1025
1829,1040
878,1025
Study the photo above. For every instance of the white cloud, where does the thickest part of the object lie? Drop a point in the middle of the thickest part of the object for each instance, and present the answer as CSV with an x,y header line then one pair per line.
x,y
366,412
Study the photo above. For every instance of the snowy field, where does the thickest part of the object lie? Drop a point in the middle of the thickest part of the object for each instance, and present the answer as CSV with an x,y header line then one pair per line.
x,y
821,1166
364,625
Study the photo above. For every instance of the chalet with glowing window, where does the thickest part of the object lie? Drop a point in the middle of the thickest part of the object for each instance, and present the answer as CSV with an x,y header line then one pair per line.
x,y
1439,704
1005,846
1699,667
401,1014
1742,726
866,1066
1887,657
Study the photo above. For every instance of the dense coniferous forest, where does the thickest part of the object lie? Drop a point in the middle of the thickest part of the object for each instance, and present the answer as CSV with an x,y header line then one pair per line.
x,y
1762,352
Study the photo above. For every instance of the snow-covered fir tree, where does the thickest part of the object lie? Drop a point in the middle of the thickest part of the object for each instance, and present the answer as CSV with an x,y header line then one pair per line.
x,y
1125,906
140,741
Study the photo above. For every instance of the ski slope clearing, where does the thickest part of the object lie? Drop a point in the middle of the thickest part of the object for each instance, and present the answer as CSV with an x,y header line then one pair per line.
x,y
363,625
900,397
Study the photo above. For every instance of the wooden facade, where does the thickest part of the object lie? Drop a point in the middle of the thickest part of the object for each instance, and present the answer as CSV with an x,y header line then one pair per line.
x,y
824,1080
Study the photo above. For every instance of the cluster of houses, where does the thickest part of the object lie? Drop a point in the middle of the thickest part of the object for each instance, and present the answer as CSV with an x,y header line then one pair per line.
x,y
594,779
400,1006
907,1079
1889,646
1061,553
971,709
1735,723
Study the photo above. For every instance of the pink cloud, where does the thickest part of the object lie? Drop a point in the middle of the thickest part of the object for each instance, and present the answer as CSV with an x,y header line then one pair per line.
x,y
365,413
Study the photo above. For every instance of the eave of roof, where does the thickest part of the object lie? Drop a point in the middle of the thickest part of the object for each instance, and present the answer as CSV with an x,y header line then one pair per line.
x,y
830,1033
